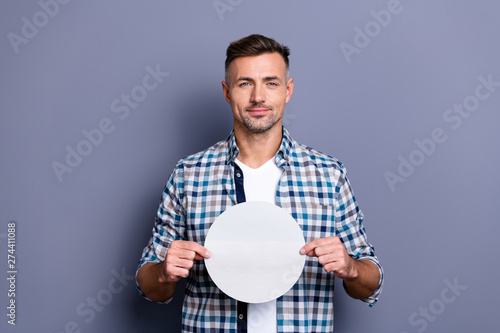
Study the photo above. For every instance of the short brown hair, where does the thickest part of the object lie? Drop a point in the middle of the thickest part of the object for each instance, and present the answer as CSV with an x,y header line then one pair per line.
x,y
254,45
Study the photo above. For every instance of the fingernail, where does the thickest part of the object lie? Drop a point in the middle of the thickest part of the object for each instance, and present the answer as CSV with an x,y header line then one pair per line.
x,y
302,251
207,254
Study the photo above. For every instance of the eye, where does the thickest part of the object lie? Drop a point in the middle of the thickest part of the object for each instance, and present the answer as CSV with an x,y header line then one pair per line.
x,y
273,84
244,84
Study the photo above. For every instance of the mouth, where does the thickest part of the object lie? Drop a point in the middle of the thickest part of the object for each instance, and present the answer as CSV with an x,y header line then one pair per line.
x,y
258,111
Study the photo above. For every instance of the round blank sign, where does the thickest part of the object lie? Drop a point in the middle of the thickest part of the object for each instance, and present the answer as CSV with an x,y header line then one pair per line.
x,y
255,252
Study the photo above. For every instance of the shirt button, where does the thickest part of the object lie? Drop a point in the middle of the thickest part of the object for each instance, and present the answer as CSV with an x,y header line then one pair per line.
x,y
240,316
238,175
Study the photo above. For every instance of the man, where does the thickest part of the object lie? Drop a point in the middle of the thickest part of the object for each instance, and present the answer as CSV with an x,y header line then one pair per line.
x,y
311,186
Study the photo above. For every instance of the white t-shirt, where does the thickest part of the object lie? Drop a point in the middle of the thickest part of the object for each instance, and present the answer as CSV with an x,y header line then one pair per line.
x,y
260,185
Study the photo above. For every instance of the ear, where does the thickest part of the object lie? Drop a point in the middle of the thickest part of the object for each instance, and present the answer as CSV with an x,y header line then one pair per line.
x,y
225,88
289,89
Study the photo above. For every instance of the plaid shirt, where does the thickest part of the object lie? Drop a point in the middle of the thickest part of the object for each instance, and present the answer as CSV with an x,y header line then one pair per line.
x,y
313,189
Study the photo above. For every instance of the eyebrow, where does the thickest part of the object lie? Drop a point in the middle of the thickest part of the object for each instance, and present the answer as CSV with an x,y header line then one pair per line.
x,y
267,78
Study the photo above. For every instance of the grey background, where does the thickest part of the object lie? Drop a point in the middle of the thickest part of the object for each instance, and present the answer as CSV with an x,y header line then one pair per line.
x,y
439,225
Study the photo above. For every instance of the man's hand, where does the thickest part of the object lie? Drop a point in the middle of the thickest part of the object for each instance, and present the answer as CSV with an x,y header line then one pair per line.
x,y
332,255
157,280
180,258
361,277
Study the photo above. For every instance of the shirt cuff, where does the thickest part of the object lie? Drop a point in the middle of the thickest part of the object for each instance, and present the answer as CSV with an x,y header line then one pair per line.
x,y
139,288
374,297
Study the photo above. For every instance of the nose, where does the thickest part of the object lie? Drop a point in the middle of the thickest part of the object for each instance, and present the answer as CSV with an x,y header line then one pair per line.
x,y
258,94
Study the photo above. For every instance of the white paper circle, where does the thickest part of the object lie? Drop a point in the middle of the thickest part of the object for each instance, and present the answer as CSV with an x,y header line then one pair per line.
x,y
255,252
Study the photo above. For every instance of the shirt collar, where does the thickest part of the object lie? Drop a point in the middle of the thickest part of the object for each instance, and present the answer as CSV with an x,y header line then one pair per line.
x,y
282,157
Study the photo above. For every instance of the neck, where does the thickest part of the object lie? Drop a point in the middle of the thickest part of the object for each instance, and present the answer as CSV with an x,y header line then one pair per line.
x,y
258,148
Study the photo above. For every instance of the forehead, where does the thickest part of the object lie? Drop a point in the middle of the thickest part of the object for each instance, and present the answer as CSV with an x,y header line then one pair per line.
x,y
266,64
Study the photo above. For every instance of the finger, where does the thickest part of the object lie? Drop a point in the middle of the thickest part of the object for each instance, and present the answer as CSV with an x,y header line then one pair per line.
x,y
332,268
177,269
310,248
330,248
201,251
310,254
198,257
174,274
176,253
327,259
180,263
338,270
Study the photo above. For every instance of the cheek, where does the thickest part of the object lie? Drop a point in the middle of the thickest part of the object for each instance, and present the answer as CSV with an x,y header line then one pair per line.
x,y
280,97
238,98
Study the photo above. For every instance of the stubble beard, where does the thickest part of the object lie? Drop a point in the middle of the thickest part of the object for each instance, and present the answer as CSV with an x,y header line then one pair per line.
x,y
258,125
261,123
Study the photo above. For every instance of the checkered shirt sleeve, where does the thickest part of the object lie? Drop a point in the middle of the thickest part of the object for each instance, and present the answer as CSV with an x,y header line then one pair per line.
x,y
351,232
170,221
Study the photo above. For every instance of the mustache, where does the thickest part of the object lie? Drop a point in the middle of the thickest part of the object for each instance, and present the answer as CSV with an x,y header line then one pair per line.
x,y
258,106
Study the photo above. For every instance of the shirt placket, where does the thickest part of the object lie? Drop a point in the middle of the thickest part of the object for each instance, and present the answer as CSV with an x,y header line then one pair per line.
x,y
240,198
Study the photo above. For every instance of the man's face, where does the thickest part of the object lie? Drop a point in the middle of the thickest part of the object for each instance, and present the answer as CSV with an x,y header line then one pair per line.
x,y
257,91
